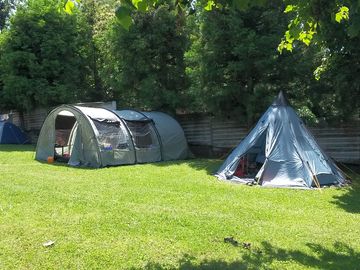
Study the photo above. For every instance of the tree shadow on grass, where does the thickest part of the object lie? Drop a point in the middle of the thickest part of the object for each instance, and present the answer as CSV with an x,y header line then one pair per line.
x,y
17,148
66,165
350,201
340,256
208,165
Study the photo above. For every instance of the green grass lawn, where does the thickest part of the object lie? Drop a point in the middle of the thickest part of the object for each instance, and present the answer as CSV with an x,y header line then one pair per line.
x,y
171,215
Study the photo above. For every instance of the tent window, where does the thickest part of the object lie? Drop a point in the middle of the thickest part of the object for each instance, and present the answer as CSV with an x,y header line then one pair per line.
x,y
143,134
64,124
110,135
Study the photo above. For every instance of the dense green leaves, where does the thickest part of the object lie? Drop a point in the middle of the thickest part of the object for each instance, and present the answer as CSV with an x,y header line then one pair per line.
x,y
146,66
342,14
215,56
69,7
209,5
305,13
7,7
124,16
41,61
233,63
235,70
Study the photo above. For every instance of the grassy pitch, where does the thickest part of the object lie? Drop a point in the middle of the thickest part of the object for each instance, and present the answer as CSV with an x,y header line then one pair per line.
x,y
170,215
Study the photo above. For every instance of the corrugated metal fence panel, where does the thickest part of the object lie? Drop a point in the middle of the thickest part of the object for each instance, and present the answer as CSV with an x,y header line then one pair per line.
x,y
197,130
227,134
16,119
34,119
340,143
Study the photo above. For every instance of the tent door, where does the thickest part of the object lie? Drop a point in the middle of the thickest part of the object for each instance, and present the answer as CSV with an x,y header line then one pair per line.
x,y
76,149
252,161
65,124
249,165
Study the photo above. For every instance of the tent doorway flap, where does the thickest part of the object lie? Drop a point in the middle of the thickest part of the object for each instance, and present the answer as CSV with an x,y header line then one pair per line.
x,y
65,129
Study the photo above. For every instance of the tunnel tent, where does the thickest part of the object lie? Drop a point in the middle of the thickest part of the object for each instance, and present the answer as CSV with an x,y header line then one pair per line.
x,y
280,152
98,137
12,134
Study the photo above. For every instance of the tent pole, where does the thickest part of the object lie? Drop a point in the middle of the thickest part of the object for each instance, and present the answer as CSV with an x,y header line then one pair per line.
x,y
315,179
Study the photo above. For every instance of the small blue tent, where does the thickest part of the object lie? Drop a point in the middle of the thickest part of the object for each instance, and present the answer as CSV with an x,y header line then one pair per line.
x,y
11,134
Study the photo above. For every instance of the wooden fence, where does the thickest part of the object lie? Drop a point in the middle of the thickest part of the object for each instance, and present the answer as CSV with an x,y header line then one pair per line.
x,y
209,136
212,137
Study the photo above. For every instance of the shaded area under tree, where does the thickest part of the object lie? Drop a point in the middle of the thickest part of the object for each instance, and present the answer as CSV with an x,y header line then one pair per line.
x,y
339,256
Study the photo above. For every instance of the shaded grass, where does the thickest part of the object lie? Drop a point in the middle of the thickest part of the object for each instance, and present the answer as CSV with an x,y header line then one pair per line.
x,y
171,215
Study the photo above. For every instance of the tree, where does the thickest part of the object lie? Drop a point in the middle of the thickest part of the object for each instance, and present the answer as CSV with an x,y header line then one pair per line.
x,y
146,69
59,51
6,8
336,37
43,58
305,22
235,70
96,17
238,64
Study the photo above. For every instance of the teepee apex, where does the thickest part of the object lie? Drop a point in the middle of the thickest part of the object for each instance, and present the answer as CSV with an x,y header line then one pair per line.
x,y
281,100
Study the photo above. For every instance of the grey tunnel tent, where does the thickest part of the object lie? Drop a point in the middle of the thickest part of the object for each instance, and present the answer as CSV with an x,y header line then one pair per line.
x,y
97,137
281,152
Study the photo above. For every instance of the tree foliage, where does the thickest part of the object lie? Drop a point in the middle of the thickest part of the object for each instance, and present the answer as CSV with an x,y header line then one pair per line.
x,y
225,57
237,69
6,8
146,67
42,59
